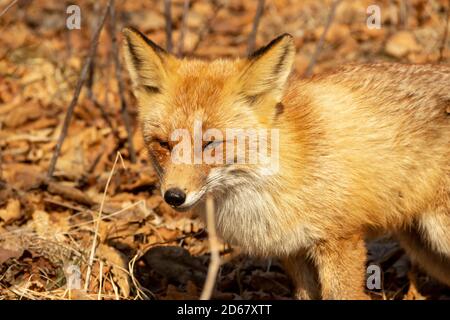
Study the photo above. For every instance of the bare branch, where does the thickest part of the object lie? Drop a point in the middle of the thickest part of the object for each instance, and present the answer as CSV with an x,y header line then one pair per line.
x,y
121,87
252,37
444,38
105,116
99,218
168,17
90,82
403,14
321,42
79,86
9,6
1,160
207,27
183,28
91,73
214,264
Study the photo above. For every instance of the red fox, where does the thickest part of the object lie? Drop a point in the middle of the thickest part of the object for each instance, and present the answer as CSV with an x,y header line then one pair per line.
x,y
362,149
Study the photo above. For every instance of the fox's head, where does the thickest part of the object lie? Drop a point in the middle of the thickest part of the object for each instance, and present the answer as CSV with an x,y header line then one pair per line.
x,y
186,107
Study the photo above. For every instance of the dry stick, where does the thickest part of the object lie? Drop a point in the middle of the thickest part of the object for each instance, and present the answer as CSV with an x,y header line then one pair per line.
x,y
214,264
90,78
444,38
99,218
1,161
68,44
321,42
252,37
99,295
1,167
403,14
90,93
168,17
105,117
103,107
100,106
121,87
9,6
183,28
79,86
206,29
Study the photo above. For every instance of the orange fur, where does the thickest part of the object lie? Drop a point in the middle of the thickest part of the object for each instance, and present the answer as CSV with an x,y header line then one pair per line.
x,y
362,148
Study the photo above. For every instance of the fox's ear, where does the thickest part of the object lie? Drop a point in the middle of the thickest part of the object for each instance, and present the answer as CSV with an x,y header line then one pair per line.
x,y
146,61
269,67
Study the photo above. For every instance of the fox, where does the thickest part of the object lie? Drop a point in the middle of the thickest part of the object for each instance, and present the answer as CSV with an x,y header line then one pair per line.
x,y
363,150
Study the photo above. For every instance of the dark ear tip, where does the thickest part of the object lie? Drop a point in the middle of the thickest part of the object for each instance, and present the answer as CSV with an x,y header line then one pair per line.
x,y
128,31
283,37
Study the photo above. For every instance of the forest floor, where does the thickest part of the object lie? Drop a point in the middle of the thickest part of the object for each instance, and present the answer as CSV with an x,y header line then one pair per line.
x,y
143,248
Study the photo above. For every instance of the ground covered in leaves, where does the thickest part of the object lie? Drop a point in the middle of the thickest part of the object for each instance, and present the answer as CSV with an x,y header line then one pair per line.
x,y
119,238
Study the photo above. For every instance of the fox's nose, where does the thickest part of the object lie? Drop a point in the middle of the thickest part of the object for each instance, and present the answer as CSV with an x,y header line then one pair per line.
x,y
175,197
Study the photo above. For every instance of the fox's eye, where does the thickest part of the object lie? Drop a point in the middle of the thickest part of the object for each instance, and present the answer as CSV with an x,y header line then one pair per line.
x,y
164,144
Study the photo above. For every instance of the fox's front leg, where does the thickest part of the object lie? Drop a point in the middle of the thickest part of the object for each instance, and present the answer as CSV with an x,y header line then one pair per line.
x,y
340,267
303,273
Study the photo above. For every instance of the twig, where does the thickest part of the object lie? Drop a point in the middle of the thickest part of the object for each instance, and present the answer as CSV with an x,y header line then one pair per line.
x,y
116,291
168,17
79,86
100,281
90,78
99,218
139,289
68,41
90,82
321,42
1,160
207,27
252,37
444,38
403,14
9,6
105,117
103,107
183,28
214,264
121,87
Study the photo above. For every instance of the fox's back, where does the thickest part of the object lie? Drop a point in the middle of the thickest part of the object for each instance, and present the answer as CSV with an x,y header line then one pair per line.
x,y
383,130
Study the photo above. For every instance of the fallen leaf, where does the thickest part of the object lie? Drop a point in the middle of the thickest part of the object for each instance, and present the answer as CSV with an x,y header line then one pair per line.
x,y
119,265
12,211
402,43
69,193
6,254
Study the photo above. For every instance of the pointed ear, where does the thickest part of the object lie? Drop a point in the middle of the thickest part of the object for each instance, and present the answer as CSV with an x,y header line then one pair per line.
x,y
147,62
268,68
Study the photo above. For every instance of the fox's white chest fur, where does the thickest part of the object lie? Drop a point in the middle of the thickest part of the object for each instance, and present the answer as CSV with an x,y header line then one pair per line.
x,y
247,215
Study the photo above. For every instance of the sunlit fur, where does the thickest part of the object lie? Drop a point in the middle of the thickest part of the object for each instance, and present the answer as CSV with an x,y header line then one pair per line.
x,y
362,149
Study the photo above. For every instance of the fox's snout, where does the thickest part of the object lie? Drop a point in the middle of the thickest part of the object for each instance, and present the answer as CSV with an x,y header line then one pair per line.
x,y
175,197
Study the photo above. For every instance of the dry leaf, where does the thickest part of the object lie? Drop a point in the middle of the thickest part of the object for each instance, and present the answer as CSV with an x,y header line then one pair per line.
x,y
119,265
12,211
6,254
402,43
